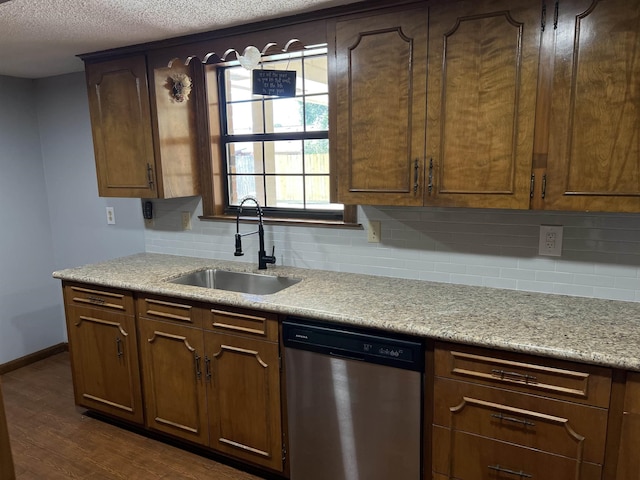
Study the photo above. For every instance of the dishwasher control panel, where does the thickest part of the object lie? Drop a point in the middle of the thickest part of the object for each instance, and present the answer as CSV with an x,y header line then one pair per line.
x,y
357,344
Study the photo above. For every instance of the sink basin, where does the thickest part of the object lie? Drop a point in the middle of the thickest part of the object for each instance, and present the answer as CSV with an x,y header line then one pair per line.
x,y
236,281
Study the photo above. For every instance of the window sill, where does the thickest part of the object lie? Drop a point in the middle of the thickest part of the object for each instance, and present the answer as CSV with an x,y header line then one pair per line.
x,y
303,222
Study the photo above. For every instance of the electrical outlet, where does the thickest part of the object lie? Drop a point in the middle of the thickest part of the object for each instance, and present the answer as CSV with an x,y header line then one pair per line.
x,y
111,216
373,234
550,243
186,221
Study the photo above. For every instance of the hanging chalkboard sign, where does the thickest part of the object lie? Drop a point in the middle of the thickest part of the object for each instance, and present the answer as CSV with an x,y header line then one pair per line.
x,y
277,83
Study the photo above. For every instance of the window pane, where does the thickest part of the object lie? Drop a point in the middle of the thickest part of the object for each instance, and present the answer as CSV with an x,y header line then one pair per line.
x,y
283,115
238,84
315,75
316,156
294,64
285,191
316,113
245,118
242,185
283,157
245,157
317,190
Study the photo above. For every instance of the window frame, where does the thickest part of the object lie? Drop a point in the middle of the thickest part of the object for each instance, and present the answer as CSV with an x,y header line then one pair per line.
x,y
270,212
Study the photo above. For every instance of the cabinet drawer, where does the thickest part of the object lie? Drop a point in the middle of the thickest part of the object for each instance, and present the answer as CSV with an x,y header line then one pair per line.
x,y
474,457
569,429
564,380
169,310
103,298
242,322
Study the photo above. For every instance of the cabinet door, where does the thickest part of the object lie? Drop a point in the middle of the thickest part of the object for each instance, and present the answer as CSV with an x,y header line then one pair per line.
x,y
104,359
483,63
628,459
121,126
594,142
172,362
378,95
244,398
173,110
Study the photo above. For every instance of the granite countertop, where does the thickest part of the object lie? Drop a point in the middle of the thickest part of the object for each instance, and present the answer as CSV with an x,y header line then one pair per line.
x,y
601,332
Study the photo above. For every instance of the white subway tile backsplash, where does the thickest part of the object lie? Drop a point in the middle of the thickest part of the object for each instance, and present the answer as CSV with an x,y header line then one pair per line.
x,y
540,287
594,280
614,294
495,248
475,280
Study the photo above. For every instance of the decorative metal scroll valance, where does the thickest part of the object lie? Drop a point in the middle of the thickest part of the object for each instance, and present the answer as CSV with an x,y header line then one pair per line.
x,y
250,57
179,83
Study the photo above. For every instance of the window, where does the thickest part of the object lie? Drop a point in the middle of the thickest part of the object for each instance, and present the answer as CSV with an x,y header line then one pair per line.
x,y
274,148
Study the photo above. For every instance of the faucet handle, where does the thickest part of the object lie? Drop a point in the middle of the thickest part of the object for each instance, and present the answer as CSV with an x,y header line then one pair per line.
x,y
238,252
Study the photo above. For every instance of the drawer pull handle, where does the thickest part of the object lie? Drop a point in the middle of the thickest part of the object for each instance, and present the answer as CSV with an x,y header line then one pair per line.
x,y
520,377
521,421
500,469
99,301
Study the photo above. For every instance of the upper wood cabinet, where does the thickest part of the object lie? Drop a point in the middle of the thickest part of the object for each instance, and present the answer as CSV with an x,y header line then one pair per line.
x,y
377,102
594,128
483,65
529,104
144,146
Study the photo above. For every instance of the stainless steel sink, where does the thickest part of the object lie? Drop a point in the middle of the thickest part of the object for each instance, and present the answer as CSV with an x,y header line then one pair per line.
x,y
236,281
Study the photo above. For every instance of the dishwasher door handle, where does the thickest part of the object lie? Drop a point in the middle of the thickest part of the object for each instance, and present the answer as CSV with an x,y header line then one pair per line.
x,y
346,357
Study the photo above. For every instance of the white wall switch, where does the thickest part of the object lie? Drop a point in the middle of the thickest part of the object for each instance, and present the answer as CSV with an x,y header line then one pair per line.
x,y
550,240
111,216
373,233
186,221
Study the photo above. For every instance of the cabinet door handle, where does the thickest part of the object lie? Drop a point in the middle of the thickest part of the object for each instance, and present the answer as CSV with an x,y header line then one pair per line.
x,y
207,368
514,376
430,185
508,471
198,371
416,168
521,421
150,175
119,351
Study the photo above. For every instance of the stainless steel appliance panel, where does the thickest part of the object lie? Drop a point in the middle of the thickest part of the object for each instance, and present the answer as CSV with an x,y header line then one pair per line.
x,y
351,419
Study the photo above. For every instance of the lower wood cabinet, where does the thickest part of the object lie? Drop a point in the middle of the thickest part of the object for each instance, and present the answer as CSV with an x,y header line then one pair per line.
x,y
174,384
628,458
501,415
104,351
244,398
217,386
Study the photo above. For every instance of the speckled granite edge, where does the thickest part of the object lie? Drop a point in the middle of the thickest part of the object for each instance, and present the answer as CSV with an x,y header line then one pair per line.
x,y
601,332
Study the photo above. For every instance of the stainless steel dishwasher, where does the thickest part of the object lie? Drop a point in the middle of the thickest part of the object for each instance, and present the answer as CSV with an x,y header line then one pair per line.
x,y
354,402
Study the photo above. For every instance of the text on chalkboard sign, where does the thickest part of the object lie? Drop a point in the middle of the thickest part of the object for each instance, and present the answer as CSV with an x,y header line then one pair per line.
x,y
276,83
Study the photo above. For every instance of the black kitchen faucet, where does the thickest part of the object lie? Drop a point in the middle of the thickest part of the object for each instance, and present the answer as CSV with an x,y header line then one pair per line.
x,y
263,258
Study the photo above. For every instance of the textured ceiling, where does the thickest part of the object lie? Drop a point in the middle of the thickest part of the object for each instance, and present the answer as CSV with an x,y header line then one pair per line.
x,y
41,38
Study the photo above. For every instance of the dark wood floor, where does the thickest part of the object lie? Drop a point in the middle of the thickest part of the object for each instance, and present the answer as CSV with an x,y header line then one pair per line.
x,y
52,439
